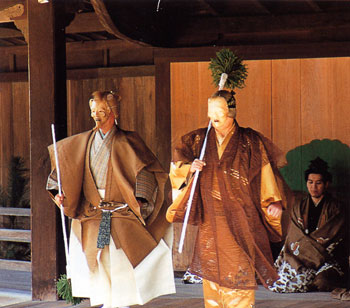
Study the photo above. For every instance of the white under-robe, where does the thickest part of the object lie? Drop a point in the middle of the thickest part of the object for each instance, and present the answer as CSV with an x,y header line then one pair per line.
x,y
115,283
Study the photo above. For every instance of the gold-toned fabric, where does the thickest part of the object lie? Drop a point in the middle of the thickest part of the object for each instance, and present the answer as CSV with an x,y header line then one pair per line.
x,y
216,296
233,241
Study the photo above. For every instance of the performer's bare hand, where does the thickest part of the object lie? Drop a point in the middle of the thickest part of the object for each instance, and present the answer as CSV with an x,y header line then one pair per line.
x,y
59,199
197,165
275,209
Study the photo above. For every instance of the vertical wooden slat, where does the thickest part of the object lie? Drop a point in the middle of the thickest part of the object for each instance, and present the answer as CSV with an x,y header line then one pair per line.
x,y
163,111
47,94
79,119
137,108
286,104
6,130
20,120
339,82
190,90
254,101
316,106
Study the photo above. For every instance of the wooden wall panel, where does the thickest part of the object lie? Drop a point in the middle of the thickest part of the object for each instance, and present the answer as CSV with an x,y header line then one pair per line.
x,y
6,133
325,99
286,104
190,89
137,108
20,96
254,101
317,81
341,96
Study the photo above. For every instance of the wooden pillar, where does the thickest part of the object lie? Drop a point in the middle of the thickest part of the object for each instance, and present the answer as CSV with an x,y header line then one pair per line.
x,y
163,111
47,104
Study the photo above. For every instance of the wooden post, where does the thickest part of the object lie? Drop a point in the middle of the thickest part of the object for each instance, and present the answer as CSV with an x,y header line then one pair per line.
x,y
47,104
163,111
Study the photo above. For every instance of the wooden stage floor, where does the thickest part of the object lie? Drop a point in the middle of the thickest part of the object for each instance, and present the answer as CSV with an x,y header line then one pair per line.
x,y
191,296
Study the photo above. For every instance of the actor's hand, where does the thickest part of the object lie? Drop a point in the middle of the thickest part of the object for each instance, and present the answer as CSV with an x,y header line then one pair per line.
x,y
197,165
59,199
275,209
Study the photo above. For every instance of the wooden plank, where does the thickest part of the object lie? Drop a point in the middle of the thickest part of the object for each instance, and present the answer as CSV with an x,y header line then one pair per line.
x,y
78,115
6,135
340,97
286,104
111,72
137,108
190,88
254,101
20,95
85,22
46,75
13,211
89,73
15,265
316,104
257,52
13,76
163,112
14,235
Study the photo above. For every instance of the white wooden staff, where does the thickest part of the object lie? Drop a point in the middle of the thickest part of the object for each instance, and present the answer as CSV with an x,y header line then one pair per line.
x,y
196,174
60,193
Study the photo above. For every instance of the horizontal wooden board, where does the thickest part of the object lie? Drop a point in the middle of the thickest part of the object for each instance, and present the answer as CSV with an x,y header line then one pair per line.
x,y
12,235
15,265
13,211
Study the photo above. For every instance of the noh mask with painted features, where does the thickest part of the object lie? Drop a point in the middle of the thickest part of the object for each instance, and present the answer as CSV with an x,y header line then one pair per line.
x,y
100,112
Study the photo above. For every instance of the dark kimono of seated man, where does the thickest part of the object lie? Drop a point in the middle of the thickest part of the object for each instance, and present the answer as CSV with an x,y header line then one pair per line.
x,y
313,257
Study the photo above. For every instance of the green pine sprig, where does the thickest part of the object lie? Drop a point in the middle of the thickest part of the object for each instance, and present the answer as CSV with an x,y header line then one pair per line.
x,y
64,290
227,62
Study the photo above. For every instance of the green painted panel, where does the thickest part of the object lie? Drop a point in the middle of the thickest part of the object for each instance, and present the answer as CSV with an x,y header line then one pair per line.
x,y
334,152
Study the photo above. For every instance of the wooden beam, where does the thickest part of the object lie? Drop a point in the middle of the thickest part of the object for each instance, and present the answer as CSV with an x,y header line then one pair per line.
x,y
9,13
257,52
4,4
9,33
92,73
111,72
267,23
85,22
47,86
108,24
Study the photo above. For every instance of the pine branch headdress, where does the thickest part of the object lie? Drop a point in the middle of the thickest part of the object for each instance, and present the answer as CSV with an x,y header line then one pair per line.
x,y
228,71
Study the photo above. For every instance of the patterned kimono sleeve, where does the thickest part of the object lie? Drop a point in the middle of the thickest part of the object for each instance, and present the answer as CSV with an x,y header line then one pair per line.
x,y
146,191
52,185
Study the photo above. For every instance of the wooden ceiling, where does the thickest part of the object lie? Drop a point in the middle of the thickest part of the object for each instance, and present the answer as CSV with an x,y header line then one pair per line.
x,y
193,23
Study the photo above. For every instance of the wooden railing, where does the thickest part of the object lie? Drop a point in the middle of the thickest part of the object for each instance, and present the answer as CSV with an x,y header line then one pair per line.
x,y
15,235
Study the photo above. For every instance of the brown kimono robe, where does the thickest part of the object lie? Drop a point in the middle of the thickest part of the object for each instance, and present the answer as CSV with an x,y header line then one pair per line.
x,y
313,260
129,155
233,238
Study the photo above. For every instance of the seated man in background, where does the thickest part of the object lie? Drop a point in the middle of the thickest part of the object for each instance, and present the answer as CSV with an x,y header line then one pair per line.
x,y
313,257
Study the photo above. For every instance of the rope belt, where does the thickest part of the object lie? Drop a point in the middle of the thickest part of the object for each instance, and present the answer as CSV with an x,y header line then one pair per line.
x,y
104,232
